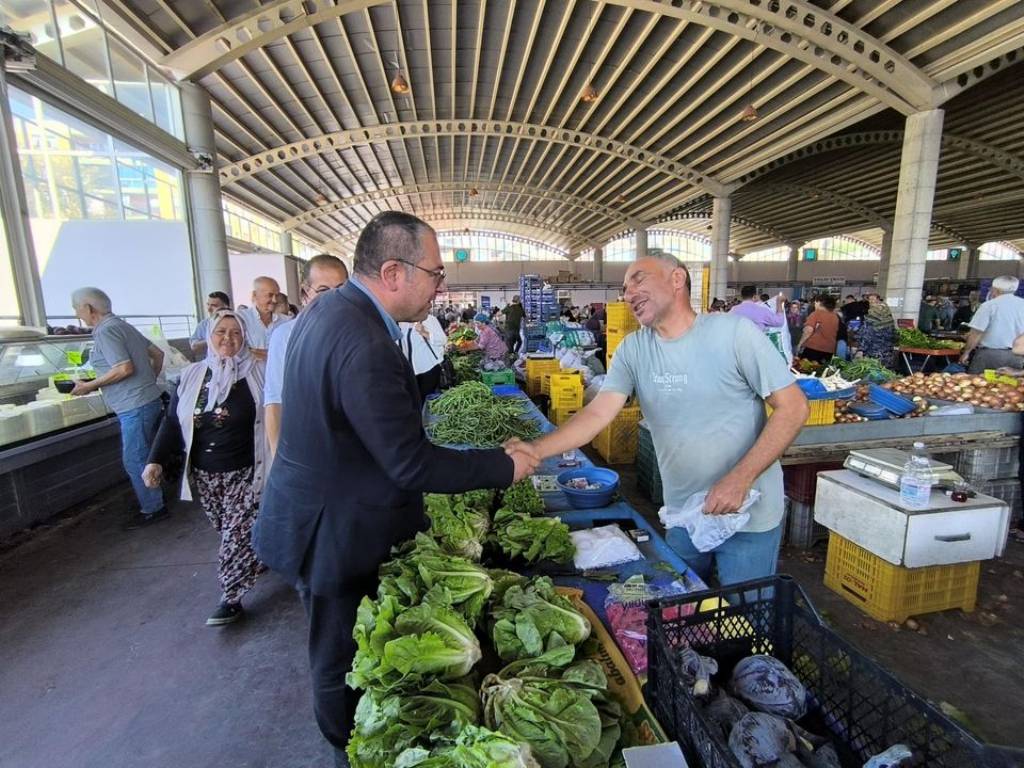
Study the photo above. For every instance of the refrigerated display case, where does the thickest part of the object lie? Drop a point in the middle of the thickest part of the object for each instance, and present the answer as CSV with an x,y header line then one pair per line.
x,y
55,450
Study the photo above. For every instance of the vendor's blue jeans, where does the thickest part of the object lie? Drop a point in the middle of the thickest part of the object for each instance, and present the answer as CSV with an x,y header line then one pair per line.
x,y
741,557
138,430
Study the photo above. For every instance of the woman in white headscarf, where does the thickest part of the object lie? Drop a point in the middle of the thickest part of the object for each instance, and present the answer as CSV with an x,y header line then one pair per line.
x,y
216,419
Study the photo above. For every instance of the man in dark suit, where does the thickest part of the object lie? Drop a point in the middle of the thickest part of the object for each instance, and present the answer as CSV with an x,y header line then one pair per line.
x,y
353,460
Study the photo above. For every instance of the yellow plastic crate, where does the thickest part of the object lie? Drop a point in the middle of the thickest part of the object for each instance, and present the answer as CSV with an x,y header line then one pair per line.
x,y
535,370
565,390
558,416
619,315
823,412
888,592
617,442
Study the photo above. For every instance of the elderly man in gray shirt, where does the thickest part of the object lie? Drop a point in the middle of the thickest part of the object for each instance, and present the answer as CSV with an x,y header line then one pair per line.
x,y
126,365
702,382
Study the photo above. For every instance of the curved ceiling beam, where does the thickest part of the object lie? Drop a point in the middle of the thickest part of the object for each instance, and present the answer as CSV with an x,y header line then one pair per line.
x,y
425,129
391,193
1003,160
847,203
455,218
951,233
795,28
742,220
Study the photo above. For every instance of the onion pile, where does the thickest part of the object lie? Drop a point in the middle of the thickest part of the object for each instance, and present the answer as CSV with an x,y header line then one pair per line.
x,y
961,388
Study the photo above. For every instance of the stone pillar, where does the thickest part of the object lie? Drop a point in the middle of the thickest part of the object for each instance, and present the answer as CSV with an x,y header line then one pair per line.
x,y
598,264
919,165
287,247
793,266
14,207
205,214
883,265
973,259
641,242
721,213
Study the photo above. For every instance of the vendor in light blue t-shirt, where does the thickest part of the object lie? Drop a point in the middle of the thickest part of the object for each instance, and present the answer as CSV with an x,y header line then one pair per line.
x,y
702,382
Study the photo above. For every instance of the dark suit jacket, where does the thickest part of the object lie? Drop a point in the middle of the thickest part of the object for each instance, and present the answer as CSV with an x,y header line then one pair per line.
x,y
353,460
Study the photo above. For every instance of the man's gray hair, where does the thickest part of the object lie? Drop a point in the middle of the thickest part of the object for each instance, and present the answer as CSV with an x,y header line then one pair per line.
x,y
323,261
391,235
673,262
1006,284
94,297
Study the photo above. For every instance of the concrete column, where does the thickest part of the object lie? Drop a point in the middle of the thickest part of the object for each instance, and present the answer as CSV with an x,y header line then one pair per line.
x,y
883,265
793,266
721,213
287,247
598,264
18,232
205,214
919,165
973,259
641,242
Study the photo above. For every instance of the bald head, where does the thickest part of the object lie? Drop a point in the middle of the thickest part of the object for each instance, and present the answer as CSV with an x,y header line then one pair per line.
x,y
264,293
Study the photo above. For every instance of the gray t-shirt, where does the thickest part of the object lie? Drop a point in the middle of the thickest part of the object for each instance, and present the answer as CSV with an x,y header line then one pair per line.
x,y
702,395
1001,320
115,342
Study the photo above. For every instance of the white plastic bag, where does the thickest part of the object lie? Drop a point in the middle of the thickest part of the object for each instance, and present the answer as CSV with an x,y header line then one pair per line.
x,y
603,546
707,531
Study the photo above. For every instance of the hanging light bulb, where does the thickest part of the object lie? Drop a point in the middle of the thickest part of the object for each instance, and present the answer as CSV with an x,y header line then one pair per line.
x,y
473,192
749,114
589,94
320,199
620,200
399,84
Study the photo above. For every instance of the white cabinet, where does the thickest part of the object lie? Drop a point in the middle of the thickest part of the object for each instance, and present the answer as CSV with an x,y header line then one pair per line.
x,y
870,515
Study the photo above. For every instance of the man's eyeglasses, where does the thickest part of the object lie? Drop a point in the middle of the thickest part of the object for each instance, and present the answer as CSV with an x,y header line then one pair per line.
x,y
438,274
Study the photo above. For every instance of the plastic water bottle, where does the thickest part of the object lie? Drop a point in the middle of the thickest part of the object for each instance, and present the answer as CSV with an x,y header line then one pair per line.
x,y
916,481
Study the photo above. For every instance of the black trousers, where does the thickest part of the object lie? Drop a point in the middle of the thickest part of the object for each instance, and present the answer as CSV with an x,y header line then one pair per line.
x,y
331,650
515,341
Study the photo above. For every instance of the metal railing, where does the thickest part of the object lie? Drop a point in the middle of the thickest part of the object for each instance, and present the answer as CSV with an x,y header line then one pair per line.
x,y
169,326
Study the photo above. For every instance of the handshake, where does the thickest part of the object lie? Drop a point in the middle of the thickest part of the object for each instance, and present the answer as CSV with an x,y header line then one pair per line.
x,y
525,457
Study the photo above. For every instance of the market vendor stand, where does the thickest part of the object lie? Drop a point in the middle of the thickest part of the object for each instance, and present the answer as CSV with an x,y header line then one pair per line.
x,y
910,352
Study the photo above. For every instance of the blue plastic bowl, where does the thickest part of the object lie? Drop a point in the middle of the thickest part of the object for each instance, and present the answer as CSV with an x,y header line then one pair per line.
x,y
599,497
897,404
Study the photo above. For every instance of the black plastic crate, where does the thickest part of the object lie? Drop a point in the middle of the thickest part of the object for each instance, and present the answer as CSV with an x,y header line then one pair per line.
x,y
851,698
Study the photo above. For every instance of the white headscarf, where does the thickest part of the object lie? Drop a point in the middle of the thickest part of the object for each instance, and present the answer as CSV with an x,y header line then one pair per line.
x,y
225,372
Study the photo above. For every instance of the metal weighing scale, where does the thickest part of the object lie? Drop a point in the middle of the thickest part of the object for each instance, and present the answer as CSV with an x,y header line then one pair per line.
x,y
886,466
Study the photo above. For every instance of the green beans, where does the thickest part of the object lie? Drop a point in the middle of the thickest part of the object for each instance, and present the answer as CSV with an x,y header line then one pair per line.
x,y
470,414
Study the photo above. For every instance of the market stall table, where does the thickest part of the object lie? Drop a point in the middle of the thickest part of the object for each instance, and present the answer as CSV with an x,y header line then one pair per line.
x,y
908,352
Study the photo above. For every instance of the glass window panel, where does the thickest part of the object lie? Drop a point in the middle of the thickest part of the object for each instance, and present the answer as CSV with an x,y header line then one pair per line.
x,y
85,46
996,252
130,85
33,17
67,133
167,104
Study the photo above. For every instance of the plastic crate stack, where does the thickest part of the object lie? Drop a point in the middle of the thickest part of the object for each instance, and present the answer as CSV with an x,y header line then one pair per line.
x,y
621,322
993,472
535,336
618,441
648,476
535,370
801,483
565,393
539,302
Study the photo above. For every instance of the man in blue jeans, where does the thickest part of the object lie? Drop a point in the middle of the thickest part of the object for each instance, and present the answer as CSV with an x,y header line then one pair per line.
x,y
126,365
702,382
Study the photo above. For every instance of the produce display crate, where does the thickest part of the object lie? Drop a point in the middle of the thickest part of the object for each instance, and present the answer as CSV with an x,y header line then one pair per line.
x,y
617,442
800,481
823,413
987,464
535,370
565,390
619,315
801,530
888,592
1009,491
648,475
494,378
558,416
614,337
852,699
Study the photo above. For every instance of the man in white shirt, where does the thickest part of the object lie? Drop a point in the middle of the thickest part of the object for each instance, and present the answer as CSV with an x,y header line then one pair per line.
x,y
260,319
215,302
994,327
320,274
